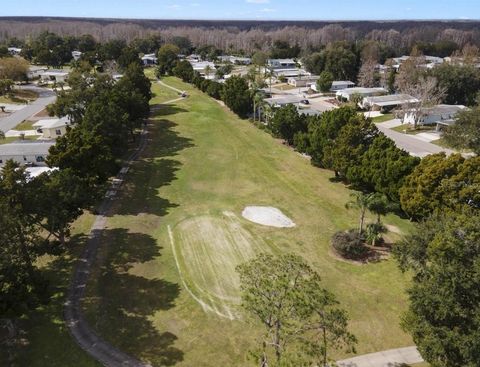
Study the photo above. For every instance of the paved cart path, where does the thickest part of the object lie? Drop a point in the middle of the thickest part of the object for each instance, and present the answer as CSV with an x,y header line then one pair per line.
x,y
78,326
170,87
387,358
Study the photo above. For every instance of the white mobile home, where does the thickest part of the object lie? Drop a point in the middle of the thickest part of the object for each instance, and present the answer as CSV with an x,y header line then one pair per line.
x,y
386,103
203,66
14,51
440,115
299,81
52,128
281,64
346,94
77,55
54,75
25,153
35,72
149,60
341,84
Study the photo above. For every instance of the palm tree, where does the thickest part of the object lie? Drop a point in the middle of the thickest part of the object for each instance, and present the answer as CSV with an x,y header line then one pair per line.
x,y
380,206
208,70
360,201
374,232
269,75
257,102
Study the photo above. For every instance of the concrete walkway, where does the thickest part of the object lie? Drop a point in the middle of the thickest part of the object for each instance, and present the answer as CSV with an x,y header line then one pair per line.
x,y
387,358
45,97
78,327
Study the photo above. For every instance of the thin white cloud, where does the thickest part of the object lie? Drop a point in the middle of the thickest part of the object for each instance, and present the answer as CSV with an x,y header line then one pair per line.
x,y
258,1
268,10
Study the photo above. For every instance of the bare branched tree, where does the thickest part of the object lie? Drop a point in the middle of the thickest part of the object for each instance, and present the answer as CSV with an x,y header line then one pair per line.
x,y
368,76
428,94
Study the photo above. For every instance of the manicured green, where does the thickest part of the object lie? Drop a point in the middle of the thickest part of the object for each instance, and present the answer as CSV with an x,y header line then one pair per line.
x,y
202,166
383,118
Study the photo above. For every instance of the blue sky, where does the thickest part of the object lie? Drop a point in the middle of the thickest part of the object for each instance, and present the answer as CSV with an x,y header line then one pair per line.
x,y
247,9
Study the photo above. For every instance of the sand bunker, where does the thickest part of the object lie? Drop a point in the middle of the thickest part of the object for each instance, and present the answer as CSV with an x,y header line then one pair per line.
x,y
267,216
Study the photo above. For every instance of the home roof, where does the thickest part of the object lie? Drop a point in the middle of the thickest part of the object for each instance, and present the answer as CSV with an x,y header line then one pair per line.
x,y
361,90
444,109
149,57
342,82
25,148
52,123
305,77
284,100
391,99
37,171
282,61
55,72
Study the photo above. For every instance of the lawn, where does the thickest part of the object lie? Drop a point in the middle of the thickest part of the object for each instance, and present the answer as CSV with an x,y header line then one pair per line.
x,y
383,118
15,139
410,130
20,96
443,143
167,291
284,86
25,125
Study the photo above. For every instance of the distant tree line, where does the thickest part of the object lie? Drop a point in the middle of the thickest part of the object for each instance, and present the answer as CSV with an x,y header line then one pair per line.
x,y
242,36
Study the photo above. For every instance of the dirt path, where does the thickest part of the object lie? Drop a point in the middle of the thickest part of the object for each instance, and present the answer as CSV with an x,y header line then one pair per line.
x,y
78,327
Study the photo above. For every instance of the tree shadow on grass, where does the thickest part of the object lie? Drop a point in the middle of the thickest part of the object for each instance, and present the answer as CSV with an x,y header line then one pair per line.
x,y
46,340
121,305
140,193
160,110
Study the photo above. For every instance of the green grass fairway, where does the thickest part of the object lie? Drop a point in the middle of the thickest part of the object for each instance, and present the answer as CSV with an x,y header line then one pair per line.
x,y
202,166
207,249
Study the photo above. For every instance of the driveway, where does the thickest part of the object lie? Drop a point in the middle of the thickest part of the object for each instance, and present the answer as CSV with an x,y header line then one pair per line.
x,y
387,358
413,145
45,98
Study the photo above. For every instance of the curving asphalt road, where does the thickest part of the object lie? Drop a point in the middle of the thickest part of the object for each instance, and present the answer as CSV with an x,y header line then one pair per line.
x,y
45,98
410,143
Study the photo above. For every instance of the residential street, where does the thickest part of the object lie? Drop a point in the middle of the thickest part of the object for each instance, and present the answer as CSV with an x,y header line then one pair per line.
x,y
410,143
46,97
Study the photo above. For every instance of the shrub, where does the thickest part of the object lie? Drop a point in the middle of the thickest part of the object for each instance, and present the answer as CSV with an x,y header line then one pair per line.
x,y
349,244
